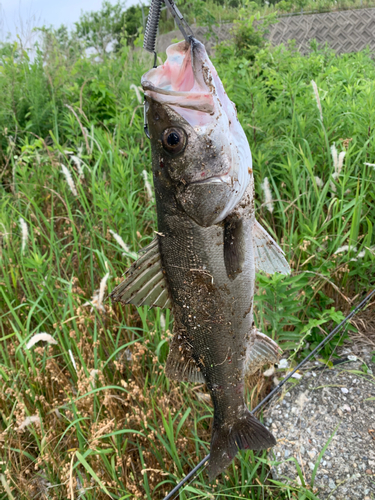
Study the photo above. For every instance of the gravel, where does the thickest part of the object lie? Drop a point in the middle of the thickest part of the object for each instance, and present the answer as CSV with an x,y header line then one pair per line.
x,y
323,403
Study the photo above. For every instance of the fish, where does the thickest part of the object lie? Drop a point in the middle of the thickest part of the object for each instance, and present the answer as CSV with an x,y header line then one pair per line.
x,y
208,246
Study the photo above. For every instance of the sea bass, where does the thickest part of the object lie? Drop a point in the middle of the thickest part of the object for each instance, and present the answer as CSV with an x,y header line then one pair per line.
x,y
203,260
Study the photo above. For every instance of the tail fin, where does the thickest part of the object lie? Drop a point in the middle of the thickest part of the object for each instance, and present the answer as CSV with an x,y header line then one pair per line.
x,y
246,434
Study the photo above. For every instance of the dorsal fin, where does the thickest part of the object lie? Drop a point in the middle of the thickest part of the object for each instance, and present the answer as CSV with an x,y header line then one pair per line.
x,y
268,255
260,351
144,282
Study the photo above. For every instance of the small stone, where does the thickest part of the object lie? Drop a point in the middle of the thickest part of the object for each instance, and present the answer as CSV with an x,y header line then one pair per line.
x,y
344,390
331,484
368,471
287,453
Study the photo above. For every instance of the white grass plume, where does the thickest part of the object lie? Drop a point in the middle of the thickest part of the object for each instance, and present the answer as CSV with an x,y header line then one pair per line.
x,y
344,249
162,322
73,360
78,163
335,157
319,182
268,201
317,98
45,337
370,165
25,233
33,419
94,375
5,233
123,245
102,287
120,241
97,299
338,161
148,187
362,253
137,93
69,179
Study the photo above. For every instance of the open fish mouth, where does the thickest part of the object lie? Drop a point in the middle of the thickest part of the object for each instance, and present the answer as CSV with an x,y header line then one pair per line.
x,y
183,80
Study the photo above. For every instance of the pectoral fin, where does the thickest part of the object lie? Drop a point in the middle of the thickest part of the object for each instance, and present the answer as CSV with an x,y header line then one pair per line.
x,y
260,351
267,254
234,247
145,283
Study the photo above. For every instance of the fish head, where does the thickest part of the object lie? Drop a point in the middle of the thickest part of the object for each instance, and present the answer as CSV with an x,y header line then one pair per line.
x,y
195,134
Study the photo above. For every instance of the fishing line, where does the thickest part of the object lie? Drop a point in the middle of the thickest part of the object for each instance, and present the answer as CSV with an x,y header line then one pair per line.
x,y
193,473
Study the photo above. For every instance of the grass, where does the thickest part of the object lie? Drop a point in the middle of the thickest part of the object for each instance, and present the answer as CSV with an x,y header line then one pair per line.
x,y
111,425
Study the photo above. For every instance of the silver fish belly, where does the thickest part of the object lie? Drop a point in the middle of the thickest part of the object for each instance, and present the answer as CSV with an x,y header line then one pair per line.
x,y
203,262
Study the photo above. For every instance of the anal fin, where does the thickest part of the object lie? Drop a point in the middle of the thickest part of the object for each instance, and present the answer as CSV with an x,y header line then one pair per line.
x,y
181,365
260,351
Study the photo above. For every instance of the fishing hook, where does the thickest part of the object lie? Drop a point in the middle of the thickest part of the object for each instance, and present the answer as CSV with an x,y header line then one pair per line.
x,y
151,31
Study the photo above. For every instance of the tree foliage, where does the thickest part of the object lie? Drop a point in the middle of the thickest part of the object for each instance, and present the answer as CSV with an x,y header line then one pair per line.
x,y
105,29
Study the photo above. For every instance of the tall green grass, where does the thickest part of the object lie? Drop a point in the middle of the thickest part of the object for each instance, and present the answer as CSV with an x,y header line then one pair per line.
x,y
111,424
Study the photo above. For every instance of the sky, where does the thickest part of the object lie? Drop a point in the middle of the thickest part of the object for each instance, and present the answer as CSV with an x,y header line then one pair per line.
x,y
20,16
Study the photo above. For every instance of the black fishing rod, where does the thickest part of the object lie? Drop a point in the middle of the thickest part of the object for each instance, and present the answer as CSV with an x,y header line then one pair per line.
x,y
194,471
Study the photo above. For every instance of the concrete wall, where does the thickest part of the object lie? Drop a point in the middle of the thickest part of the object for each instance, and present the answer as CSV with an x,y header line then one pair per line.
x,y
344,31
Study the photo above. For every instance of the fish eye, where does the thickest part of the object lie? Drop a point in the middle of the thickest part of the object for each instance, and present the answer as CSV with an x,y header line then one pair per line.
x,y
174,140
